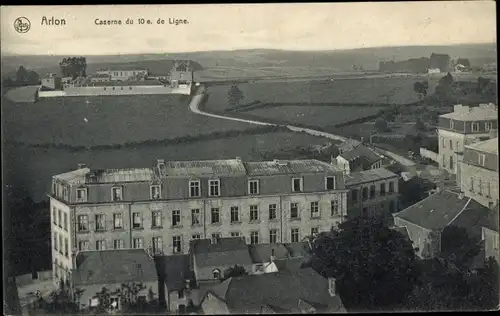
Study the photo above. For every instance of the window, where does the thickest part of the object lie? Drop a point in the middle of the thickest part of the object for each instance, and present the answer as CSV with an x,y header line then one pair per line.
x,y
100,222
354,195
488,189
194,188
177,244
83,245
443,142
59,218
457,146
157,245
330,183
235,234
61,244
297,185
254,213
196,236
116,193
195,217
391,187
136,220
295,235
214,187
65,222
117,221
215,238
314,231
54,215
273,236
214,212
235,214
254,238
480,187
475,126
451,162
100,245
272,212
138,243
118,244
176,218
156,216
372,192
314,209
382,189
451,144
451,124
56,240
81,195
481,159
488,126
180,295
472,184
294,210
392,207
155,192
216,274
334,208
83,223
365,193
253,187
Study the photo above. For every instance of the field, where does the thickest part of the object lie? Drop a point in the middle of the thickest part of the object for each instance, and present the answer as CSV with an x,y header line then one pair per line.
x,y
341,91
32,168
91,121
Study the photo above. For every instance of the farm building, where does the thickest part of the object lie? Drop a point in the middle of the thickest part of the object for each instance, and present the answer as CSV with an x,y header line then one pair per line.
x,y
51,81
122,74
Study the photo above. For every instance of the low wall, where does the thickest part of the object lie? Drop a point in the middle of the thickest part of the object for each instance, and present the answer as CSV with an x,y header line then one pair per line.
x,y
126,90
426,153
26,279
51,94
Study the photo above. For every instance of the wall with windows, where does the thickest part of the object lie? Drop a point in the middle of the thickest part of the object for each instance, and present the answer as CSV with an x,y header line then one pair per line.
x,y
491,241
62,243
480,184
126,90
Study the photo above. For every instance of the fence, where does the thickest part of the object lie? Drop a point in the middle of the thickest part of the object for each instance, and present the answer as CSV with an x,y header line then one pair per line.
x,y
26,279
425,153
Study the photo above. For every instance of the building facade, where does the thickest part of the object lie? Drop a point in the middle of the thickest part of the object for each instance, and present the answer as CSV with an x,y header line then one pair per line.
x,y
465,125
479,172
121,74
164,207
51,81
372,193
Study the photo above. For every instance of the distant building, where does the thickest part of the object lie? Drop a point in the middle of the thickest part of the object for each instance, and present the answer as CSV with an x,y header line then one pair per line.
x,y
464,126
479,172
301,292
100,77
177,280
490,235
355,156
122,74
426,220
181,73
460,68
163,207
51,81
372,193
95,270
433,70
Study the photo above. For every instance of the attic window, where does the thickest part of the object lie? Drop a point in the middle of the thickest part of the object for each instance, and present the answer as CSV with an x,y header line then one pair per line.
x,y
216,274
81,195
330,183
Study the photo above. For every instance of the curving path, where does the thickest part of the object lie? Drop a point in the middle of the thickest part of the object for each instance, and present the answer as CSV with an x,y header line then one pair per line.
x,y
200,92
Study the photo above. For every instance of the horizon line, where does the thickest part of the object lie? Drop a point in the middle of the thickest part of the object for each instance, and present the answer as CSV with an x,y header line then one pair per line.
x,y
8,54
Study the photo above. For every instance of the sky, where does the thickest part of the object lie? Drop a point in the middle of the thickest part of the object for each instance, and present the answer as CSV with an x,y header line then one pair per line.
x,y
298,26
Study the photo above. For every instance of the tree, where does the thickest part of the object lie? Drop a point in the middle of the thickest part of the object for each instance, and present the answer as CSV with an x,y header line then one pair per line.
x,y
235,95
421,88
234,272
74,67
419,125
463,61
375,267
381,125
32,77
21,74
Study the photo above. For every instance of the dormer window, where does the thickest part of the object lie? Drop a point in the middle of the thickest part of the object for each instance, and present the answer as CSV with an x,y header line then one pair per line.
x,y
475,126
330,183
155,191
481,158
488,126
194,188
451,124
214,187
216,274
81,195
297,185
117,193
253,187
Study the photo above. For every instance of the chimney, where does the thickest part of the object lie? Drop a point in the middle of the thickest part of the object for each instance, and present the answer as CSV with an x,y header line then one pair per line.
x,y
331,287
81,165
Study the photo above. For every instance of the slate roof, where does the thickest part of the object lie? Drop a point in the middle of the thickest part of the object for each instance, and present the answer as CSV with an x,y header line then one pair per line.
x,y
366,176
73,177
290,264
491,221
473,113
403,231
488,146
296,249
205,167
174,271
229,251
348,145
266,168
121,175
438,210
114,266
261,253
362,152
281,291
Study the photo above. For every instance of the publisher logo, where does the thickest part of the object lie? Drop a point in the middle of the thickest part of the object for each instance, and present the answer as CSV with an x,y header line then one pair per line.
x,y
22,24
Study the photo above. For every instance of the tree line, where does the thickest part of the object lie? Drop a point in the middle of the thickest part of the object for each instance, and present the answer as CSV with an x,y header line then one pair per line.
x,y
421,65
73,67
23,77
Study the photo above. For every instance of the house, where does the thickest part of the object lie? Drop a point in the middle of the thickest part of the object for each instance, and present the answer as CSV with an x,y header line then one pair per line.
x,y
460,68
176,281
100,77
302,291
353,158
51,81
110,269
372,193
426,220
123,74
490,235
211,258
264,257
433,70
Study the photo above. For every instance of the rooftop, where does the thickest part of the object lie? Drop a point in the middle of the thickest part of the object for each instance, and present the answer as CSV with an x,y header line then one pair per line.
x,y
261,253
473,113
114,266
228,251
73,177
361,151
438,210
265,168
279,292
126,83
371,175
174,271
204,168
488,146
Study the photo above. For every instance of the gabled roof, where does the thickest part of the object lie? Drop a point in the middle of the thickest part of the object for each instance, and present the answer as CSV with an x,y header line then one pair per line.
x,y
174,271
366,176
263,168
438,210
488,146
281,291
473,113
114,266
261,253
73,177
296,249
361,152
228,251
491,221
